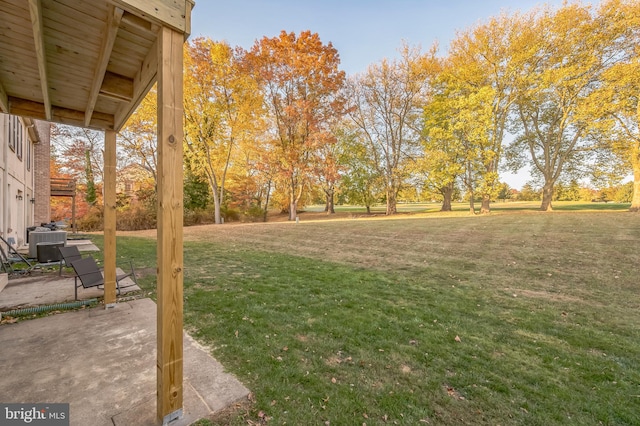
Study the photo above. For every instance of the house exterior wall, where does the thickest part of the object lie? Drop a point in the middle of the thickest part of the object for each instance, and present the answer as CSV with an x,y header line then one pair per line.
x,y
18,139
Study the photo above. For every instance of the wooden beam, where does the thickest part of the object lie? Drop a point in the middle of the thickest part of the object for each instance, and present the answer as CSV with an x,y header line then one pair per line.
x,y
35,9
188,8
109,218
114,15
4,100
142,83
26,108
117,87
170,212
171,13
136,21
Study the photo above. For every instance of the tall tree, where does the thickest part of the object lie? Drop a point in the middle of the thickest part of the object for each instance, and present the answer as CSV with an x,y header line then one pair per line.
x,y
222,106
616,102
454,136
301,82
77,149
139,139
327,169
90,194
386,104
79,152
568,56
361,184
491,56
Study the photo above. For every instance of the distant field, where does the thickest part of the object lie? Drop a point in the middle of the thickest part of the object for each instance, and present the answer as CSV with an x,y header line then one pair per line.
x,y
518,317
463,208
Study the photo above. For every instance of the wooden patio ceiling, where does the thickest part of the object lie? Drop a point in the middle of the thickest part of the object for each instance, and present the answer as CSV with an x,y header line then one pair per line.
x,y
89,63
85,63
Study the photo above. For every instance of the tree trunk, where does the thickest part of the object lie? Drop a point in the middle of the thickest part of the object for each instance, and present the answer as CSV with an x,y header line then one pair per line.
x,y
486,204
293,200
330,207
213,183
447,193
266,202
90,196
547,196
368,209
392,207
635,160
217,215
293,210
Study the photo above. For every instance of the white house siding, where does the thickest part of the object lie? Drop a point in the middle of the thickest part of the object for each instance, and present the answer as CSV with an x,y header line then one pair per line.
x,y
17,177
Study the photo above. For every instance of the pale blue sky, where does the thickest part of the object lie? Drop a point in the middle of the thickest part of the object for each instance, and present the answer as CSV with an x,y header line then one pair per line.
x,y
363,31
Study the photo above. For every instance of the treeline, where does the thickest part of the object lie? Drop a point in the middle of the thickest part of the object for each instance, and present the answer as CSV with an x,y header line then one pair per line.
x,y
280,125
574,192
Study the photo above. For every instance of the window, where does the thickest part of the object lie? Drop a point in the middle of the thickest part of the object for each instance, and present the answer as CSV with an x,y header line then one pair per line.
x,y
19,139
15,136
12,137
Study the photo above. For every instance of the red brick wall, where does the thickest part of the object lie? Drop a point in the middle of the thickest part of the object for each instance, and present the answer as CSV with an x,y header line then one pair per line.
x,y
42,185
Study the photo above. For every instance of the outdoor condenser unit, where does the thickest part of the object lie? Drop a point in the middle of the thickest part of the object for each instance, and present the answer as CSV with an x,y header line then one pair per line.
x,y
44,237
49,252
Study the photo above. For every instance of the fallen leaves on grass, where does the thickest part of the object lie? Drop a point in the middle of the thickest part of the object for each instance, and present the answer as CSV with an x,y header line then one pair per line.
x,y
453,393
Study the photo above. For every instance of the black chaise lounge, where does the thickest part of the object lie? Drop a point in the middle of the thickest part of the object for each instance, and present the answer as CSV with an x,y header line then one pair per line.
x,y
69,254
89,274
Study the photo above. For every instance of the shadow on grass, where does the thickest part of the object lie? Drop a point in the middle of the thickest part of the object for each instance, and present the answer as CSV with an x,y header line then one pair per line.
x,y
593,207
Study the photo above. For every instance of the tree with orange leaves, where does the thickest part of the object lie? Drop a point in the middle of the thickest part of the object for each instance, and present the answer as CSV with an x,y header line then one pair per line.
x,y
222,112
302,85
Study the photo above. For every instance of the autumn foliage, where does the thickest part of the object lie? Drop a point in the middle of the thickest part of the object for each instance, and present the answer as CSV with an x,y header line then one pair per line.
x,y
301,86
279,125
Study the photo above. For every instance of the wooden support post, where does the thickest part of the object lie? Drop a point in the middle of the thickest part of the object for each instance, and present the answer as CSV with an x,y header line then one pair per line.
x,y
74,227
170,256
109,218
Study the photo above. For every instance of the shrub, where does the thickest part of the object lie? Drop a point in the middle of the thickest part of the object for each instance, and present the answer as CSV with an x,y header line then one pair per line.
x,y
136,217
198,216
93,220
253,214
229,214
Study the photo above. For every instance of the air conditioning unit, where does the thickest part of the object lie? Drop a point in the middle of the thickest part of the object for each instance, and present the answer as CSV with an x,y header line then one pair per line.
x,y
44,237
49,252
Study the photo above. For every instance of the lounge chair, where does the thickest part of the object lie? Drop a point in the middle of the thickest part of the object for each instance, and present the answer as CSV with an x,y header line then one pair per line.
x,y
89,274
10,256
69,254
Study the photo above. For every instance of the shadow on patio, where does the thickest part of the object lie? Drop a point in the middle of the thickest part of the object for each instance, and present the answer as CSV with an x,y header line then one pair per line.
x,y
101,362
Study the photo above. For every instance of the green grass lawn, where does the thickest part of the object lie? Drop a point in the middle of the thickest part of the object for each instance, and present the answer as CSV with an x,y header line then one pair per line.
x,y
499,206
512,318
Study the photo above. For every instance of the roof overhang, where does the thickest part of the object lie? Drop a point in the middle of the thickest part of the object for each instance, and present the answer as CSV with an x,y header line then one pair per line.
x,y
84,63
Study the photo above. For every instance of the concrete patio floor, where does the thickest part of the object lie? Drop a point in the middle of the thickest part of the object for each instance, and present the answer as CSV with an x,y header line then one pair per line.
x,y
103,363
49,288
